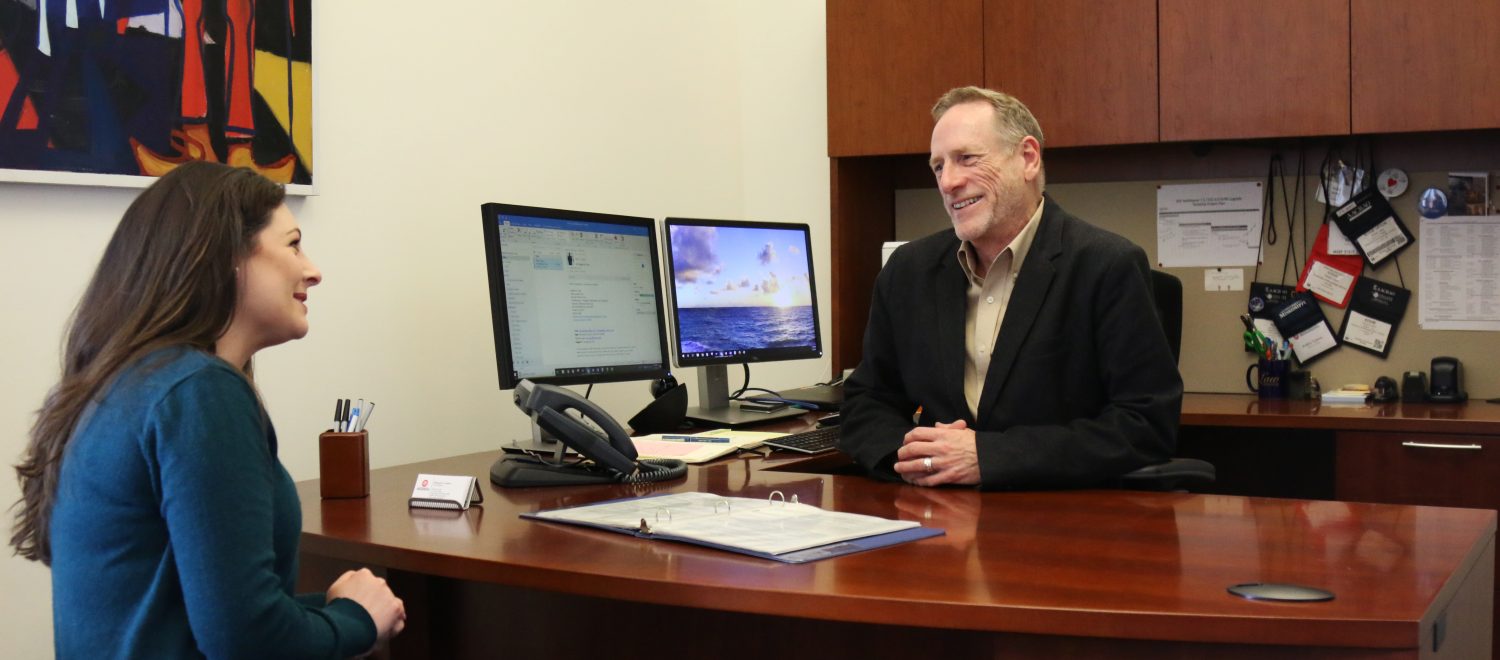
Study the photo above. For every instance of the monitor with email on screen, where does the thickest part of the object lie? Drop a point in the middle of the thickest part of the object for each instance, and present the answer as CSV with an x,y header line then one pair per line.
x,y
575,297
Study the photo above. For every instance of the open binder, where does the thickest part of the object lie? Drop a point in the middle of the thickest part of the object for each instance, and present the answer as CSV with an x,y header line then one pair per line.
x,y
773,528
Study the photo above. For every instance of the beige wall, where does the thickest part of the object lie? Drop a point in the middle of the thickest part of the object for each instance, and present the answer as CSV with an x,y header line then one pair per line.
x,y
651,108
1213,357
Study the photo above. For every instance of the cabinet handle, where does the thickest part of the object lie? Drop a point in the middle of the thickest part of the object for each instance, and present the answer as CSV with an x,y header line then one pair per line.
x,y
1437,445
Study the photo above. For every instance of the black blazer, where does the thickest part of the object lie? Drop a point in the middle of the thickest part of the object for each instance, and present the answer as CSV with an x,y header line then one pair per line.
x,y
1082,386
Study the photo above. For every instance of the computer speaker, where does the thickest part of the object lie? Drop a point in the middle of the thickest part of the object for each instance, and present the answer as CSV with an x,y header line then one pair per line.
x,y
665,413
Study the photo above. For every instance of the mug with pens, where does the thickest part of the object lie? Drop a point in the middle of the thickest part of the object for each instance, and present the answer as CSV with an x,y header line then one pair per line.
x,y
344,451
1262,346
1269,375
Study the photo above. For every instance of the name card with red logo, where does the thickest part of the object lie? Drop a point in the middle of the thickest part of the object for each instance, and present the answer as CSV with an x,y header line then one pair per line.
x,y
441,491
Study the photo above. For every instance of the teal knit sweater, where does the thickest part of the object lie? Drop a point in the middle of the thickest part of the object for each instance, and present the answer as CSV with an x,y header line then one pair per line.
x,y
174,533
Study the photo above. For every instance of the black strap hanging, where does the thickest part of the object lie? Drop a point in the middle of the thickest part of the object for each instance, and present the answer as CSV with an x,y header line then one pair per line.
x,y
1267,215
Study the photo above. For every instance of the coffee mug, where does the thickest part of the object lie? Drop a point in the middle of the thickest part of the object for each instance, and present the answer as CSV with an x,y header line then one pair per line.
x,y
1299,384
1268,378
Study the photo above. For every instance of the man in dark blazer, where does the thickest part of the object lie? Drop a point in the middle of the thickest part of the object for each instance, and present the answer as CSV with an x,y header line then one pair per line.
x,y
1021,349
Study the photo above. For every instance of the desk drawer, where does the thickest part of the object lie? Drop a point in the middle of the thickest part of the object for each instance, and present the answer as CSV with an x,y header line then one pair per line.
x,y
1418,468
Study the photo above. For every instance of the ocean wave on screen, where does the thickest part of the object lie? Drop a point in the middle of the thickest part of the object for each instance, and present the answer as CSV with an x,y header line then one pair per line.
x,y
745,328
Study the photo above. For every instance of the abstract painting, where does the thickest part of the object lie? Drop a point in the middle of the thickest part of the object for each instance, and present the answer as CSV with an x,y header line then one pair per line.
x,y
116,92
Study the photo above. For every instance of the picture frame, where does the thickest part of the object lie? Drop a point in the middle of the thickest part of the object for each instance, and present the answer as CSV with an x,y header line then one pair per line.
x,y
97,93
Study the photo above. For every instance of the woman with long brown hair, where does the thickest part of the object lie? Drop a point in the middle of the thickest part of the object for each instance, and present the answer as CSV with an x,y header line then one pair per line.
x,y
151,483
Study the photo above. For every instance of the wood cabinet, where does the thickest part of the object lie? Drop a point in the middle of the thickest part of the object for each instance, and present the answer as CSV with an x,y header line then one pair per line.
x,y
1424,66
1134,71
1273,68
888,61
1086,69
1433,469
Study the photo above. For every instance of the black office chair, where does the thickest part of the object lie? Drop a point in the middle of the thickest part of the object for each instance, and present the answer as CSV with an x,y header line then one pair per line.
x,y
1166,290
1177,473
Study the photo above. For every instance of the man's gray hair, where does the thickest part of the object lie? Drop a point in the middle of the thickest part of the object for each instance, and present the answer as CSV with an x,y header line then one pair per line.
x,y
1013,120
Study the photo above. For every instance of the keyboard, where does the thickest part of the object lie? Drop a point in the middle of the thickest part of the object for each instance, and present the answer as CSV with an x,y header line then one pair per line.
x,y
815,441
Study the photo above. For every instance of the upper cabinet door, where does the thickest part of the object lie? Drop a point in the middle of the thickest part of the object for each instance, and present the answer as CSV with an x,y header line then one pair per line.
x,y
1087,69
1254,69
888,62
1425,66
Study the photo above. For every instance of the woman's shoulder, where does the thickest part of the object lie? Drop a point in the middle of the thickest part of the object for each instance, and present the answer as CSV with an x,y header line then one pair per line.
x,y
162,371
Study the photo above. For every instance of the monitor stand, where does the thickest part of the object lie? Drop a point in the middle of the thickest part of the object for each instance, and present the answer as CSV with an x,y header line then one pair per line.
x,y
715,408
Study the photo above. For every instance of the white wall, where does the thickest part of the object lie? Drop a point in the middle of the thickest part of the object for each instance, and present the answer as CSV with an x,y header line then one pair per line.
x,y
651,108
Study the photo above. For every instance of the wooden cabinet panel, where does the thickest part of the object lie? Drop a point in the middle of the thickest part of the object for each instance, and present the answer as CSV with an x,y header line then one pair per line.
x,y
1254,69
888,61
1086,69
864,217
1425,66
1418,468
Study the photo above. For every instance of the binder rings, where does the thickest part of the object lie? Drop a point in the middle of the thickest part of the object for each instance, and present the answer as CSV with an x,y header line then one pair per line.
x,y
773,528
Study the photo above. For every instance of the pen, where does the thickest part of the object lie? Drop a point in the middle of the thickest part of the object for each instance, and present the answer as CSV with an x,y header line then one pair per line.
x,y
692,438
338,413
348,407
365,418
356,416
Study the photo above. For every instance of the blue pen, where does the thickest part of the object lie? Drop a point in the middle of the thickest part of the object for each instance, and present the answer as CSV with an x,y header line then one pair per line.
x,y
692,438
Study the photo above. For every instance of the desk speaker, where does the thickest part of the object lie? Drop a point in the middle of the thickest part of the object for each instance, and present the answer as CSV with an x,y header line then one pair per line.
x,y
665,413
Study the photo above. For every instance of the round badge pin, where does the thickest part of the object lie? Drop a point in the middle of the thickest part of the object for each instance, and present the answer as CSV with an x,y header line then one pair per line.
x,y
1392,183
1433,203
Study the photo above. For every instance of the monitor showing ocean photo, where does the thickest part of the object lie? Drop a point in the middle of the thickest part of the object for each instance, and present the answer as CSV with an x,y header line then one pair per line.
x,y
742,292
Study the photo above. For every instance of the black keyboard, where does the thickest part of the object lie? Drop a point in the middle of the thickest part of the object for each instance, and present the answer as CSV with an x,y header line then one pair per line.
x,y
815,441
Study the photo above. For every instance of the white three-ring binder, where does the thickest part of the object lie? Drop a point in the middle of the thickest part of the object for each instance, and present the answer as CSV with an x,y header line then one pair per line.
x,y
771,528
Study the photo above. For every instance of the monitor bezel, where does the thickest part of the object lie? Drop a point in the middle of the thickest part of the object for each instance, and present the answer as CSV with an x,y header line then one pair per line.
x,y
673,321
500,316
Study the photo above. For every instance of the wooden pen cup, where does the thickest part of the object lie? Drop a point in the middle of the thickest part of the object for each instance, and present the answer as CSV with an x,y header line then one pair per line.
x,y
344,464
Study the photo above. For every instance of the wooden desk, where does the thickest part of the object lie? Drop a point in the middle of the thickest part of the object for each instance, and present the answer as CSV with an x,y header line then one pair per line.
x,y
1399,453
1059,574
1396,453
1248,411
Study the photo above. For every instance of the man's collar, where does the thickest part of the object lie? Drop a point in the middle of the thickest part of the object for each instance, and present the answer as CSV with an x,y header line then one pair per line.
x,y
968,255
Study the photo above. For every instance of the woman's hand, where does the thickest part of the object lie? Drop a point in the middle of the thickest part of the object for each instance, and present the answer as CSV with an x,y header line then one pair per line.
x,y
373,594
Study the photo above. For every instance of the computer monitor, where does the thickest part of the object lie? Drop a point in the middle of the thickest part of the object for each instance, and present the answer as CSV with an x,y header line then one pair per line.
x,y
575,297
741,292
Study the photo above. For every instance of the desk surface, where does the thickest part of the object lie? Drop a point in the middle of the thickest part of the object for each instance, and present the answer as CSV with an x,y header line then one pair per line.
x,y
1246,410
1085,563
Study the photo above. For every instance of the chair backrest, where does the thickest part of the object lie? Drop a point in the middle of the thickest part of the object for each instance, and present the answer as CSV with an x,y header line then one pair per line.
x,y
1177,473
1166,289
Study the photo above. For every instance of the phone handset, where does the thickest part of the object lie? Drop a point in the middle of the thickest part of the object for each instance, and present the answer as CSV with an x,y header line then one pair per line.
x,y
548,406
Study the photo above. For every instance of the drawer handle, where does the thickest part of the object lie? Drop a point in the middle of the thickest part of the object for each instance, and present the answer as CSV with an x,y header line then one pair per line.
x,y
1437,445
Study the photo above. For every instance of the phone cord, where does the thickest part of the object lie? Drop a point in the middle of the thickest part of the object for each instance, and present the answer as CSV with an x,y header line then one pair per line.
x,y
654,469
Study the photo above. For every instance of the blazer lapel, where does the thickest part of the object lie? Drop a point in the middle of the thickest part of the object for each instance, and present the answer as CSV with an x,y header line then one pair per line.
x,y
951,301
1031,289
